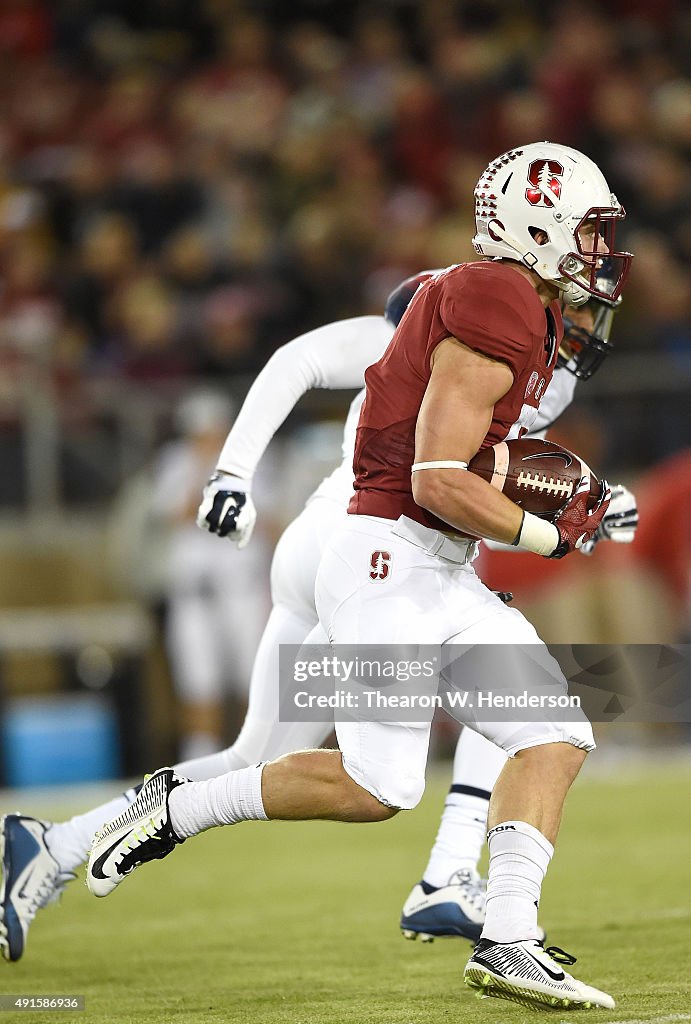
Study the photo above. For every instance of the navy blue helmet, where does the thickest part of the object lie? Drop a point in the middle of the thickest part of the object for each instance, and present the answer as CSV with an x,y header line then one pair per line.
x,y
400,298
584,351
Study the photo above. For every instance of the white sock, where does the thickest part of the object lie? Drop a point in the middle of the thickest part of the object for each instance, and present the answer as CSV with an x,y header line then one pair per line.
x,y
519,856
462,832
70,841
235,796
199,769
460,838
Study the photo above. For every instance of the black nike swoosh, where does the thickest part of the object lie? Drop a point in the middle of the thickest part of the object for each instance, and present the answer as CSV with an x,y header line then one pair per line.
x,y
550,455
22,892
545,968
96,867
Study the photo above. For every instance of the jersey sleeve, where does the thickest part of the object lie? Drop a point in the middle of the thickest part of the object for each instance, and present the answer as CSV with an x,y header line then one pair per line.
x,y
333,356
489,315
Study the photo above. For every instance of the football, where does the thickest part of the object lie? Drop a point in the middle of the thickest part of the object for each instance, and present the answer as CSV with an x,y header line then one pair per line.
x,y
538,475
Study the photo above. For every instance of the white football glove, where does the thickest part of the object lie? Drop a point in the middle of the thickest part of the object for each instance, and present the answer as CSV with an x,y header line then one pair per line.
x,y
620,521
227,509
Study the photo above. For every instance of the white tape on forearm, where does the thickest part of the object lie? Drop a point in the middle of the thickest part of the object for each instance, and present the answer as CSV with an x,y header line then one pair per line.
x,y
441,464
537,535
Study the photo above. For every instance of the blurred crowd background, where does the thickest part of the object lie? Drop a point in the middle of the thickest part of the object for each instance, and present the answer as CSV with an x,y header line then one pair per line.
x,y
186,186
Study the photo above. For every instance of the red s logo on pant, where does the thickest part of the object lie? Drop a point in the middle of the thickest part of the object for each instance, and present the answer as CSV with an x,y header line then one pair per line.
x,y
379,562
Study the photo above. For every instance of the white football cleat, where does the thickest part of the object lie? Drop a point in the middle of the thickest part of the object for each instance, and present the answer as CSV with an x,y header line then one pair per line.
x,y
31,879
141,833
526,973
456,909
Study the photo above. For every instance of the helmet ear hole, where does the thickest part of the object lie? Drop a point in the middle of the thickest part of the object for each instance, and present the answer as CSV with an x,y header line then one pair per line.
x,y
539,235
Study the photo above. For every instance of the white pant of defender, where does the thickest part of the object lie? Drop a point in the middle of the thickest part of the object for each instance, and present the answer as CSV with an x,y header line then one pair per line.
x,y
386,582
293,618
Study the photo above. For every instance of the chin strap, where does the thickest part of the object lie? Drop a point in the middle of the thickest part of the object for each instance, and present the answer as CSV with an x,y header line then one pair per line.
x,y
527,258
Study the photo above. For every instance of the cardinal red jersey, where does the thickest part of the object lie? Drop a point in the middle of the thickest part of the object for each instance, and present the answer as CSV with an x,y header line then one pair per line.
x,y
493,310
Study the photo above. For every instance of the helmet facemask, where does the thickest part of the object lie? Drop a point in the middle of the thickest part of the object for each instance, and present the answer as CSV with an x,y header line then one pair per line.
x,y
584,349
595,245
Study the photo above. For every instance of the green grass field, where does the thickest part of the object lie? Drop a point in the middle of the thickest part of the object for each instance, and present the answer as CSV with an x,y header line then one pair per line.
x,y
273,923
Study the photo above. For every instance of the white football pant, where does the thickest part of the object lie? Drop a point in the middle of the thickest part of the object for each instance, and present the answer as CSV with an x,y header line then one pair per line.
x,y
429,594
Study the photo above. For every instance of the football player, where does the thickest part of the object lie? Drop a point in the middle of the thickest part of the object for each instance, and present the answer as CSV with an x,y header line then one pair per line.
x,y
334,356
39,857
455,378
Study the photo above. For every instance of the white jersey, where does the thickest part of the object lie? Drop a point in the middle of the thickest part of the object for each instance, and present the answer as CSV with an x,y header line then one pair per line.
x,y
335,357
338,486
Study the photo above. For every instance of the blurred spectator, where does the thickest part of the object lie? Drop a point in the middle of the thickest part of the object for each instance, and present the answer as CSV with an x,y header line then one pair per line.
x,y
29,305
228,342
25,28
144,344
423,138
105,261
153,194
581,50
663,543
215,608
183,187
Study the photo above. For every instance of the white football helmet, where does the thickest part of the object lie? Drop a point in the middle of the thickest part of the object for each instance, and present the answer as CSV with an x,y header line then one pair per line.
x,y
545,187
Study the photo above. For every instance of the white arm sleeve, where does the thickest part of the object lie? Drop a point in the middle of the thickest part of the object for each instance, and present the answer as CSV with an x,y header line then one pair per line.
x,y
333,356
556,398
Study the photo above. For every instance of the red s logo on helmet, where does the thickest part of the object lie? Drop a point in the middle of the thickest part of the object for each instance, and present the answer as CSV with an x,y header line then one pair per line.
x,y
543,174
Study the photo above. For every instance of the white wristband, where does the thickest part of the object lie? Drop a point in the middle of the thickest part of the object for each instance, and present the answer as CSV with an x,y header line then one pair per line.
x,y
537,535
438,464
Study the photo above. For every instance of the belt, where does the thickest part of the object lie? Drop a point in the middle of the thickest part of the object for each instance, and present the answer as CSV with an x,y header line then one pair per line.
x,y
454,549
